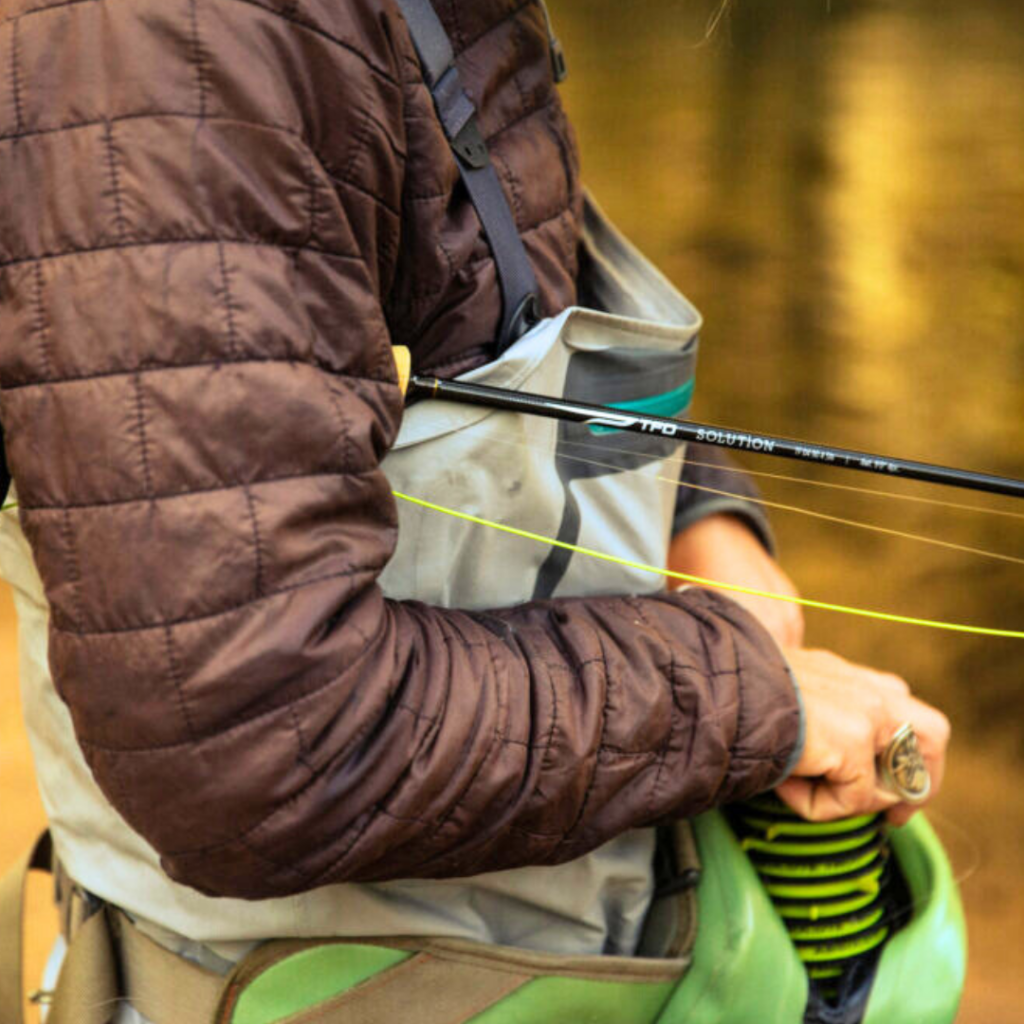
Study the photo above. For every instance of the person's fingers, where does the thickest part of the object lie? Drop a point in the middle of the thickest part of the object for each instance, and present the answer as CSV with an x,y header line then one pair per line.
x,y
889,682
820,800
852,714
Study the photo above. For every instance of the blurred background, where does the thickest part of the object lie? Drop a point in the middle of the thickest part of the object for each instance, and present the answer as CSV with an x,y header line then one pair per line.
x,y
840,188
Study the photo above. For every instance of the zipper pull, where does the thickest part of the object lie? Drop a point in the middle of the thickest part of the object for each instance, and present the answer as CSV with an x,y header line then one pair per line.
x,y
559,68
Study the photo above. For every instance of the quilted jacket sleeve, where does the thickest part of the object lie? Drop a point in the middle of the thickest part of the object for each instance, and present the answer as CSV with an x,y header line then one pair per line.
x,y
200,204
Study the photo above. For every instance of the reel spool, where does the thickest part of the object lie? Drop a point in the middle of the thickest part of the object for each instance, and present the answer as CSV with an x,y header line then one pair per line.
x,y
838,891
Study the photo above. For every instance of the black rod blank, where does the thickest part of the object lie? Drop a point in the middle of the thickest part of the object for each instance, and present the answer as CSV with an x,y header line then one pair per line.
x,y
687,430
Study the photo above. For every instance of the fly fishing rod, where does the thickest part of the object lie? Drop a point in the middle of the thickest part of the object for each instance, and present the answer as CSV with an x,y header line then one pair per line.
x,y
613,418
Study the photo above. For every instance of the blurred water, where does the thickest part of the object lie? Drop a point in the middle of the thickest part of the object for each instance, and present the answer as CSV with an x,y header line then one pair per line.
x,y
842,194
840,188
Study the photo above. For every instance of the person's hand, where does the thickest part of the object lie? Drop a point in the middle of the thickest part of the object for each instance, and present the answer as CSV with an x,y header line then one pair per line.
x,y
723,548
851,714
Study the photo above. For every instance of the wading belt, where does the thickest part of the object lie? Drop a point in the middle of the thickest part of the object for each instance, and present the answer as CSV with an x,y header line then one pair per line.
x,y
333,981
520,304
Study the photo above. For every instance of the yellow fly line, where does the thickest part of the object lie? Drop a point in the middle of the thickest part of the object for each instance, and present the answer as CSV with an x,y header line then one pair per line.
x,y
866,613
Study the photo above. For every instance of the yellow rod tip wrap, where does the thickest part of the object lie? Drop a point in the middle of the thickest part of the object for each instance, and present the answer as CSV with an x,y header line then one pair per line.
x,y
403,364
867,613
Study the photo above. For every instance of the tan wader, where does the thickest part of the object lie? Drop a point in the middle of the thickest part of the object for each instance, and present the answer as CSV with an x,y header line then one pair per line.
x,y
527,472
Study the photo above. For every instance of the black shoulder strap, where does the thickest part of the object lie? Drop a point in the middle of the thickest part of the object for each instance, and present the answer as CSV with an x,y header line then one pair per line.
x,y
520,305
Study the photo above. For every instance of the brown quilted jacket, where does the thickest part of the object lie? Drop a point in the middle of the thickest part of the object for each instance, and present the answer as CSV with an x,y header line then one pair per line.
x,y
216,216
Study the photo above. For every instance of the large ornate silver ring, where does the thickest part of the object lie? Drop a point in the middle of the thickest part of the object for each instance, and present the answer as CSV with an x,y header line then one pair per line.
x,y
902,768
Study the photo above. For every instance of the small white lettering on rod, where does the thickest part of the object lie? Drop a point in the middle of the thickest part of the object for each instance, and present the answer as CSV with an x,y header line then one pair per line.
x,y
728,439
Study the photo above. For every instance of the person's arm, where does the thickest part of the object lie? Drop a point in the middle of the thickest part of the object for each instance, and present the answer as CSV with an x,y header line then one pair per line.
x,y
849,712
712,484
200,209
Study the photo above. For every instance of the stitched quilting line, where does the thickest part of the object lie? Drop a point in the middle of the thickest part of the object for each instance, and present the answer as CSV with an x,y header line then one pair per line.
x,y
362,132
387,135
314,688
309,26
507,17
667,673
502,695
300,738
19,119
309,166
196,240
549,740
140,424
380,806
120,224
290,588
293,19
197,59
740,718
41,327
146,115
550,100
256,542
501,165
286,870
494,746
283,807
193,492
458,37
72,566
737,626
177,681
352,183
311,156
344,433
605,711
361,824
712,674
229,312
652,804
43,8
196,365
518,41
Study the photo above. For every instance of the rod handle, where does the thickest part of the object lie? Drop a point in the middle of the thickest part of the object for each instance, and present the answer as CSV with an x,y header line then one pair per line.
x,y
403,365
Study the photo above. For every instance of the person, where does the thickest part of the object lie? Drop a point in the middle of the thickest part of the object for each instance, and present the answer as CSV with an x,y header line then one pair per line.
x,y
219,216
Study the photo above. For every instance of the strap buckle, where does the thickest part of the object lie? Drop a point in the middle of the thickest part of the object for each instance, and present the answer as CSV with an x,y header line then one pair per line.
x,y
527,315
469,145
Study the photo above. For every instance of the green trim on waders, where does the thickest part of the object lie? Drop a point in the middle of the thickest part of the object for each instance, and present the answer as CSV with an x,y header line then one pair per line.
x,y
555,1000
311,976
744,967
668,403
921,974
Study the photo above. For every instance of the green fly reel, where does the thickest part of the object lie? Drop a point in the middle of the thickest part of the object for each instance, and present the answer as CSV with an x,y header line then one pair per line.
x,y
837,891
